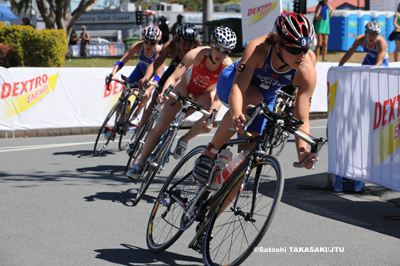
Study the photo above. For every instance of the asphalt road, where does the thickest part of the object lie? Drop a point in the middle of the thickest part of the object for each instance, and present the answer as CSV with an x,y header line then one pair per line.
x,y
59,205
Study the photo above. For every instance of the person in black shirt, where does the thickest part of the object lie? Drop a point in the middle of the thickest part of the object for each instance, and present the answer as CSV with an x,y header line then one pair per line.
x,y
164,29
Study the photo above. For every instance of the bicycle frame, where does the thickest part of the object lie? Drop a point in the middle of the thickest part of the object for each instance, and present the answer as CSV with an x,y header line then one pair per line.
x,y
187,104
258,152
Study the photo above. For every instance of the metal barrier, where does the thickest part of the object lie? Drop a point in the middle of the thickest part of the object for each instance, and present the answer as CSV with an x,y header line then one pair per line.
x,y
99,49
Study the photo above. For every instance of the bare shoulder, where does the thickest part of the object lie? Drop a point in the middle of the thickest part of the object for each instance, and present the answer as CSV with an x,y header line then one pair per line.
x,y
256,51
169,47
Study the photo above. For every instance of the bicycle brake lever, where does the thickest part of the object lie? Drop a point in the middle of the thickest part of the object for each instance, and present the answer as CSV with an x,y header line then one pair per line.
x,y
300,164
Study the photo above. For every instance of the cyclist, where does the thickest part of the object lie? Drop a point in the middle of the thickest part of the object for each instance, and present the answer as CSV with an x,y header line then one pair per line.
x,y
372,43
186,39
148,50
200,80
269,62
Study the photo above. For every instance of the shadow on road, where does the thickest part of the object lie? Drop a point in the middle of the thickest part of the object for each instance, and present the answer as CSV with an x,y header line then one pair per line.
x,y
85,153
127,197
352,208
132,255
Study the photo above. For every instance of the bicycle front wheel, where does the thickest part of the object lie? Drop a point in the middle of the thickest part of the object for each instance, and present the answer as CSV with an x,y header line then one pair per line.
x,y
140,139
101,140
161,152
128,131
234,232
164,228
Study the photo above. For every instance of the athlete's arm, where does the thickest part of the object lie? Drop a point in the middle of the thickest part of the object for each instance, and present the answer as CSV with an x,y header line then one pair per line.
x,y
248,63
157,66
306,80
381,49
358,41
134,49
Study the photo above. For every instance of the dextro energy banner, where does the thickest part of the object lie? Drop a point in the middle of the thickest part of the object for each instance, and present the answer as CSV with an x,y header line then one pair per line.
x,y
258,17
45,98
37,98
364,124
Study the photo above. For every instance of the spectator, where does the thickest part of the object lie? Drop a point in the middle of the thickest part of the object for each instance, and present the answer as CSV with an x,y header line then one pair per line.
x,y
73,38
85,39
396,23
176,24
27,22
164,29
375,46
322,27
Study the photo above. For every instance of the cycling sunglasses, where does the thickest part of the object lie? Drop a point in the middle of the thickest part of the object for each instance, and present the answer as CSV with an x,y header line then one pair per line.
x,y
371,34
296,51
151,43
219,49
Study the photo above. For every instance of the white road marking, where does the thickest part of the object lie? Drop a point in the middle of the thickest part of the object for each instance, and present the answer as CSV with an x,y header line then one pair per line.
x,y
50,146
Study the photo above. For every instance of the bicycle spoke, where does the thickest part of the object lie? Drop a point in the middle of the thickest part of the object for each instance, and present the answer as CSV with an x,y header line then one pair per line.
x,y
164,223
239,228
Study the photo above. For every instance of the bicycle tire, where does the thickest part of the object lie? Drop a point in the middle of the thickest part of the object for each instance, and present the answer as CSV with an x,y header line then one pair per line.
x,y
101,142
140,140
264,189
161,153
163,228
128,131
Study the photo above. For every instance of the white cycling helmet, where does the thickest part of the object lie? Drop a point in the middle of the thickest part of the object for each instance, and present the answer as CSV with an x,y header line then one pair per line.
x,y
152,33
373,26
224,37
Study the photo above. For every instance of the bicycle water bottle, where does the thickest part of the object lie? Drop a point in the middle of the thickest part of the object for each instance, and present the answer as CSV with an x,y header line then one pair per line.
x,y
128,110
223,158
232,165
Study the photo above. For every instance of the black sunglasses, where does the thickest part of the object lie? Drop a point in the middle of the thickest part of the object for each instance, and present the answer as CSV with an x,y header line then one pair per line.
x,y
296,51
372,34
151,43
219,49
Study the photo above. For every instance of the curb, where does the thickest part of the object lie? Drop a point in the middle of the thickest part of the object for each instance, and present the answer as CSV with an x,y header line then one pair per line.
x,y
56,132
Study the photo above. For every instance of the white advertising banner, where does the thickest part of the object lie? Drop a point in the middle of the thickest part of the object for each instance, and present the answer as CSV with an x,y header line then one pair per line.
x,y
40,98
258,17
364,124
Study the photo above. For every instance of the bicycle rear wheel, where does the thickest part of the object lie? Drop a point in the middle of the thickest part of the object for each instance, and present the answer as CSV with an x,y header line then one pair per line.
x,y
101,141
160,154
164,228
128,131
234,232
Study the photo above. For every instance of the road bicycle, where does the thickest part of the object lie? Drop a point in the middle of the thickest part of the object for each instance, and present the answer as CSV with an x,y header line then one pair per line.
x,y
136,146
236,216
283,105
160,156
117,120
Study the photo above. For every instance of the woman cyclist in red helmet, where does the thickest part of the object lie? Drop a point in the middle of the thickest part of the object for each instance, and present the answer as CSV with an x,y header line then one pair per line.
x,y
268,63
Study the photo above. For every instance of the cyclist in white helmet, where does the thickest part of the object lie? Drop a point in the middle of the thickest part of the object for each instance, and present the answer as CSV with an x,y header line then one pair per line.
x,y
197,74
148,50
373,44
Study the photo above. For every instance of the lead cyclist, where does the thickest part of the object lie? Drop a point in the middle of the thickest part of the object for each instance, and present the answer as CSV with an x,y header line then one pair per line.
x,y
269,62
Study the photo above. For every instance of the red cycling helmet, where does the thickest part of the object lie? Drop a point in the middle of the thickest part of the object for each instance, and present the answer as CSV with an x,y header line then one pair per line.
x,y
294,29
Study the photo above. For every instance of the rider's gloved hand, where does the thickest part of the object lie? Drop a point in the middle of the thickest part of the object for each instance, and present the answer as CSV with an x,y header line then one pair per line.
x,y
108,81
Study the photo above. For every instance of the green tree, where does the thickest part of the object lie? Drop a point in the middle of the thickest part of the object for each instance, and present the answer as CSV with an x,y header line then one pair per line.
x,y
56,14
